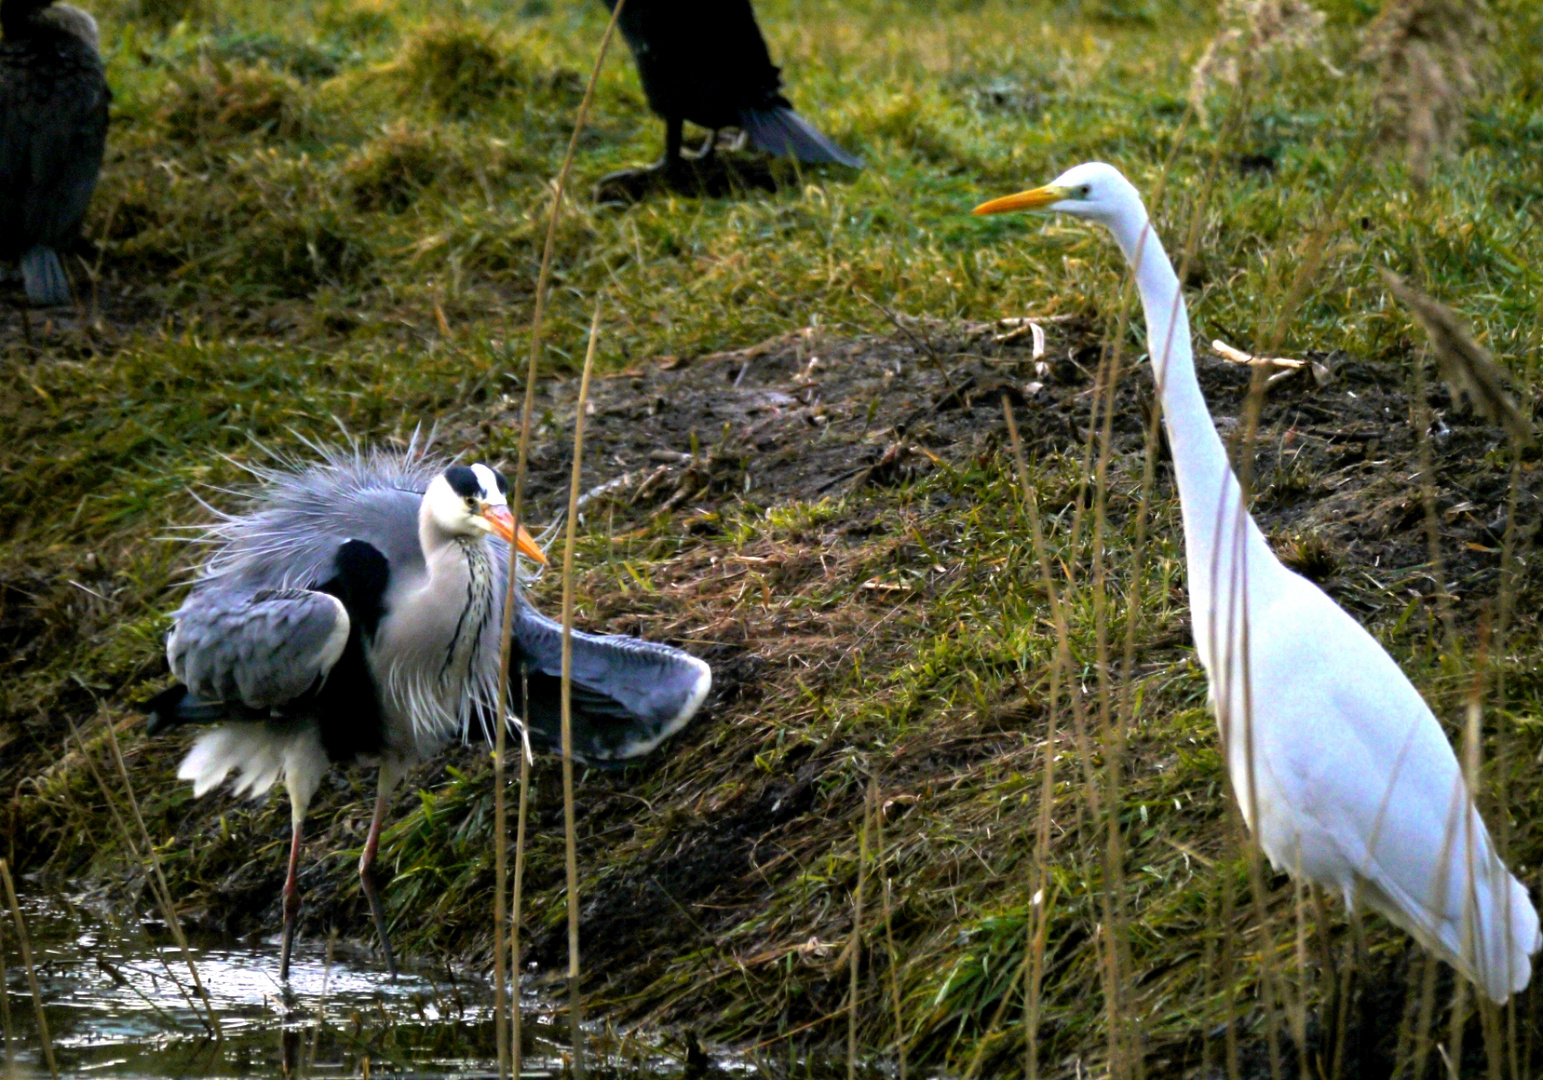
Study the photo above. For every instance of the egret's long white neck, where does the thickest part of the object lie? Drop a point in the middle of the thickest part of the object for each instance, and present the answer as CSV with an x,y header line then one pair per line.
x,y
1209,493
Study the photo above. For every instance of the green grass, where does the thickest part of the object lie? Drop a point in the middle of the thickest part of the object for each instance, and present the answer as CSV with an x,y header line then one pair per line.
x,y
330,214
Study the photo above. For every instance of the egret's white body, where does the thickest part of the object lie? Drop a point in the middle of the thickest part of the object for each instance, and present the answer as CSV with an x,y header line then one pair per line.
x,y
1341,770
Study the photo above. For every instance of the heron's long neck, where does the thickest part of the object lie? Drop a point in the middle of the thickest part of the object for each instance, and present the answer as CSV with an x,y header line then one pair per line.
x,y
1209,493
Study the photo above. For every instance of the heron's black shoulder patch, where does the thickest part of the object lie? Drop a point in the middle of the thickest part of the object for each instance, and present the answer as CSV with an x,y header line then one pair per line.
x,y
463,481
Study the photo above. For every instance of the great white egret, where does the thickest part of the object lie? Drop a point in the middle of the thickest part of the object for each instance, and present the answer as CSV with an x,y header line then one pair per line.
x,y
354,614
1340,768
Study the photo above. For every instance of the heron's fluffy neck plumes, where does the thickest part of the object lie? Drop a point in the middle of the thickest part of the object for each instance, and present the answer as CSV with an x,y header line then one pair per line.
x,y
1220,538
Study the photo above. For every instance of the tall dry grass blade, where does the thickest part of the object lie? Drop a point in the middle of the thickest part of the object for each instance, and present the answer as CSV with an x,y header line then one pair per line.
x,y
1466,366
881,859
5,1008
501,825
1037,924
32,978
162,901
173,921
522,815
856,947
570,844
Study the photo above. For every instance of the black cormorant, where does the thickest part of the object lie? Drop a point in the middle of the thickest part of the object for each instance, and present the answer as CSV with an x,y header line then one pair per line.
x,y
53,129
705,61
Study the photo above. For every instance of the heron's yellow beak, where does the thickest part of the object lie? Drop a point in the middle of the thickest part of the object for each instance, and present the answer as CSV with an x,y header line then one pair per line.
x,y
1037,199
503,524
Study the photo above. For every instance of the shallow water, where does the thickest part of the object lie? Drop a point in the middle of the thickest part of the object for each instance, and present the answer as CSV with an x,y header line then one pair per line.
x,y
121,1004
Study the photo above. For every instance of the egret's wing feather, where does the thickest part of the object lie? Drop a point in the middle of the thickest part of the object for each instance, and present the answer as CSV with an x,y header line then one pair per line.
x,y
256,649
628,695
1380,802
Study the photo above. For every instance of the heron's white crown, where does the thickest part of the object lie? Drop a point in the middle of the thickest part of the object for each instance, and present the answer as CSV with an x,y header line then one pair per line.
x,y
460,514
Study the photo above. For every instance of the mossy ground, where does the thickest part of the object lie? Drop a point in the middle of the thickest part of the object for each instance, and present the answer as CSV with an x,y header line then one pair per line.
x,y
328,216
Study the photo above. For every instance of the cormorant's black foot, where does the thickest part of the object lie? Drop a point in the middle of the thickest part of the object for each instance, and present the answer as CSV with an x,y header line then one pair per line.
x,y
713,175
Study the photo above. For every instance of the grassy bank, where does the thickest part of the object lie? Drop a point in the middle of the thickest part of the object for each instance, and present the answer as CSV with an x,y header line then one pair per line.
x,y
329,215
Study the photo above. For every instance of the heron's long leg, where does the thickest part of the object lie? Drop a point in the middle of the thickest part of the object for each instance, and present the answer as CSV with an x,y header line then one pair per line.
x,y
389,774
291,892
673,126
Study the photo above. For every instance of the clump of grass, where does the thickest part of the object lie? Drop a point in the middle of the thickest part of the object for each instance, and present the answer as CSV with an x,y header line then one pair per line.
x,y
389,172
458,68
218,99
1311,555
1253,31
1432,57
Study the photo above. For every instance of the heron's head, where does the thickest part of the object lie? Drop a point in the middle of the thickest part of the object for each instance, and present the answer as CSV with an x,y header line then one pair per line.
x,y
1093,190
473,501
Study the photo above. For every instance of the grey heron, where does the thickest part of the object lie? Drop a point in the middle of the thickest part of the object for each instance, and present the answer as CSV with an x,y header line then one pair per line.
x,y
353,613
53,130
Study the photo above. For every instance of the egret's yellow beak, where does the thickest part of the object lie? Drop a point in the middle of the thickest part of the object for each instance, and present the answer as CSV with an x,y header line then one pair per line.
x,y
1037,199
503,524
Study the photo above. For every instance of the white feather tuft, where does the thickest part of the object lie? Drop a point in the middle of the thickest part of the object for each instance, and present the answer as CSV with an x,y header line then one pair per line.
x,y
257,753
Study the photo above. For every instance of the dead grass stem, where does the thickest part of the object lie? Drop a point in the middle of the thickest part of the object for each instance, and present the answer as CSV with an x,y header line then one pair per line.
x,y
45,1043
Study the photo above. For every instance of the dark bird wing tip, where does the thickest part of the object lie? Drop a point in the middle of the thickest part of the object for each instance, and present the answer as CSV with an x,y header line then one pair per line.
x,y
781,130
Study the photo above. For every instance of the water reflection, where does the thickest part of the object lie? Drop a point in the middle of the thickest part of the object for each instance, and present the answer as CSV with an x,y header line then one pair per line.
x,y
120,1004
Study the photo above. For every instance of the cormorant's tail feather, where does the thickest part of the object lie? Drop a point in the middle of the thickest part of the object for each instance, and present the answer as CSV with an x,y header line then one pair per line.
x,y
44,274
780,130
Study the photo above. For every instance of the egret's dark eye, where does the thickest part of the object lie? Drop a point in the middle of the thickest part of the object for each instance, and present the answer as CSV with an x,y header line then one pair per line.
x,y
1084,190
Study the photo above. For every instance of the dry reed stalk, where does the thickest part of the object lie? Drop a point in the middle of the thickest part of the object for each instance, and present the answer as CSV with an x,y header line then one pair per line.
x,y
32,978
522,815
500,823
162,901
173,922
856,946
570,846
5,1008
1037,924
889,942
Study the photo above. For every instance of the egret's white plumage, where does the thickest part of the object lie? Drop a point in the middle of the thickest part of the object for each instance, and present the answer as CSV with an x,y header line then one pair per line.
x,y
1342,771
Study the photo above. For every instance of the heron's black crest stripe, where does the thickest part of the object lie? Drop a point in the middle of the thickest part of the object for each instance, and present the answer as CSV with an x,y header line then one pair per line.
x,y
503,485
463,481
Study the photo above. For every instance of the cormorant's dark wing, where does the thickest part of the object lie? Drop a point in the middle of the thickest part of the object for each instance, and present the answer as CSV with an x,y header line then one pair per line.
x,y
628,695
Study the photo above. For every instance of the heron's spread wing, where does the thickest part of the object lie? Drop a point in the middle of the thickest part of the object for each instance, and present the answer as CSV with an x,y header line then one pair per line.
x,y
628,695
259,649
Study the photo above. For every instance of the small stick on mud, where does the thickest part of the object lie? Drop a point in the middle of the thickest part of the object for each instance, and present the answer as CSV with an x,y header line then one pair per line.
x,y
501,825
32,978
570,847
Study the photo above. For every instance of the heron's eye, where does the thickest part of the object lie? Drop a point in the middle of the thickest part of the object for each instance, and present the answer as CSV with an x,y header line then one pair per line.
x,y
471,502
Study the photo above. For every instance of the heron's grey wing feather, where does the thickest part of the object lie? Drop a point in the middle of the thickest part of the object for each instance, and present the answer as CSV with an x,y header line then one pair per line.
x,y
261,649
628,695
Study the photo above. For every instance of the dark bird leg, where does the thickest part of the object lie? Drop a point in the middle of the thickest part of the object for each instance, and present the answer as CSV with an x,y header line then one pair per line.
x,y
291,889
389,774
673,170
